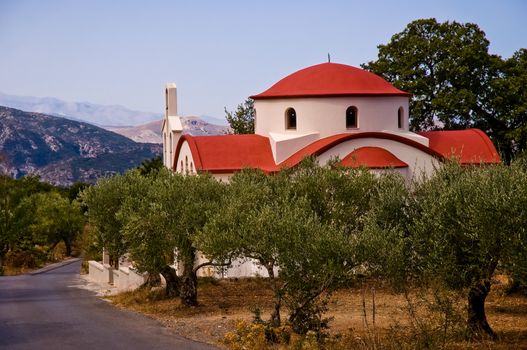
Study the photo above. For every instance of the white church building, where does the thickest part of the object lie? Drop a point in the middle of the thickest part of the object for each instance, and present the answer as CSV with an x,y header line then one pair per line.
x,y
327,110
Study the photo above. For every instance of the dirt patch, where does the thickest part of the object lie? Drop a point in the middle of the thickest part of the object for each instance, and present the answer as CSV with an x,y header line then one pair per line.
x,y
355,310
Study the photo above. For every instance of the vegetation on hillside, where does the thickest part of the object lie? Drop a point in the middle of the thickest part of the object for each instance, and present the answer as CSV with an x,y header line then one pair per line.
x,y
35,217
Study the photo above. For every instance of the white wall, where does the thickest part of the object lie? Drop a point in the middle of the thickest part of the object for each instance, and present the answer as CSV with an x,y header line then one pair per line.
x,y
327,115
185,156
419,163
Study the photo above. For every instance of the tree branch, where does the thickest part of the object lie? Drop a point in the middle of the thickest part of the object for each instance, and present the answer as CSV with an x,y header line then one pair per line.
x,y
211,263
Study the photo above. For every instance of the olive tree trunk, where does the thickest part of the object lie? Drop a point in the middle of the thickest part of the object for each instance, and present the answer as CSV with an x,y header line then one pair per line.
x,y
172,281
477,325
189,283
275,315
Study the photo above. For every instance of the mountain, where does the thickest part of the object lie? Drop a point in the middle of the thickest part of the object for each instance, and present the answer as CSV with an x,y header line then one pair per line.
x,y
62,151
114,115
151,132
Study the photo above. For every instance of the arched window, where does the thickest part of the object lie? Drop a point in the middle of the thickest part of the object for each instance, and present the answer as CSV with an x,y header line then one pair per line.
x,y
400,118
290,119
181,168
351,117
191,168
186,165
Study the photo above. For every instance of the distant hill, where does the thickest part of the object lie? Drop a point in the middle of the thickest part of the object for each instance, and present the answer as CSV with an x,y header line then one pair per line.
x,y
151,132
62,151
113,115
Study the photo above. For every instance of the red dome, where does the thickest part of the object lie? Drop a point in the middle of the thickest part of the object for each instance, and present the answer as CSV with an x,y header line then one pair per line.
x,y
330,79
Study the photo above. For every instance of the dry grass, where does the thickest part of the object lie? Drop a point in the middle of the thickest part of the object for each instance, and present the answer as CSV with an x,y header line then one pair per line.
x,y
223,302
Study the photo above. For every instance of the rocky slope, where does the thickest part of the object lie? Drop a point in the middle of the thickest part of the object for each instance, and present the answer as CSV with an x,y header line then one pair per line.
x,y
62,151
151,132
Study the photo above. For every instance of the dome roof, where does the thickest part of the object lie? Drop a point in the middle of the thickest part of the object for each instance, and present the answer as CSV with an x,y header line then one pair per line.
x,y
330,79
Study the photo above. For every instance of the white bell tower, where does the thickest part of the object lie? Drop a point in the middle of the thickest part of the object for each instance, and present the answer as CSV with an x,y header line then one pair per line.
x,y
172,127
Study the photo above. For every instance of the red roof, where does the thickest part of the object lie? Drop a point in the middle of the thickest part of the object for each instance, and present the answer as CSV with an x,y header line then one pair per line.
x,y
229,153
330,79
470,146
372,157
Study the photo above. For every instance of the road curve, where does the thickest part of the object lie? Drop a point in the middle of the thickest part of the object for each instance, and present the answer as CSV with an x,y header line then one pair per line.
x,y
43,311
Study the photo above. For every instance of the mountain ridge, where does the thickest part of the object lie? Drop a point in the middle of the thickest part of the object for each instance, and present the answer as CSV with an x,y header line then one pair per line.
x,y
62,151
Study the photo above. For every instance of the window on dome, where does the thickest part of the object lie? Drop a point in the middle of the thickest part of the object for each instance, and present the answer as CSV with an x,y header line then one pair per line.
x,y
290,119
400,118
351,117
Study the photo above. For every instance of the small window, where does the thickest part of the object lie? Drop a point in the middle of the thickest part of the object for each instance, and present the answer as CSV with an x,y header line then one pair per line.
x,y
191,168
290,119
166,100
181,167
400,118
351,117
186,165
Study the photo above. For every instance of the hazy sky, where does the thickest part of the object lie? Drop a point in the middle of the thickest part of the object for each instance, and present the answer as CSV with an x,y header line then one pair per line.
x,y
217,52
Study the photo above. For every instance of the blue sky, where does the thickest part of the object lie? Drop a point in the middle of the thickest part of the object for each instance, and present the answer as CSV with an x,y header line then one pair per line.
x,y
217,52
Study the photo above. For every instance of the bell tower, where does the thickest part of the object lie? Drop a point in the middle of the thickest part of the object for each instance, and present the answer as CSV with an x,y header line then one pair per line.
x,y
172,127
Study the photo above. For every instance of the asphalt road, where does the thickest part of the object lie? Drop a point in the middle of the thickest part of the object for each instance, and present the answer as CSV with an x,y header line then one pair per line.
x,y
47,311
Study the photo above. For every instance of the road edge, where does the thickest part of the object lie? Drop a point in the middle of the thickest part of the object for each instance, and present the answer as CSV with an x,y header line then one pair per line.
x,y
54,266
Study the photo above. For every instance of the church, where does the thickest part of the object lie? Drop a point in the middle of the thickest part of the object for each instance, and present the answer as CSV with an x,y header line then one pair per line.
x,y
325,111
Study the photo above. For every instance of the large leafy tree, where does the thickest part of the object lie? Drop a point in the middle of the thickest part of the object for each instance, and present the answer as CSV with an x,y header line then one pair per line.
x,y
508,103
241,120
447,68
455,82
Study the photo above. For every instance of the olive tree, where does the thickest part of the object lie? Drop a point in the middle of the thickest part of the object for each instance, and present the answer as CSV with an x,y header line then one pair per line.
x,y
466,222
272,220
103,201
163,221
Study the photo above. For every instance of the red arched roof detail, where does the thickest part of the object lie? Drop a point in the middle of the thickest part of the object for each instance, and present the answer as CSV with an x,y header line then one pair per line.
x,y
229,153
470,146
320,146
330,79
373,158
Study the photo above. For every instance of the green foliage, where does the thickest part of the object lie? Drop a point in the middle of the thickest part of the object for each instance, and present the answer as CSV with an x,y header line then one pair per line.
x,y
241,121
53,219
148,220
103,202
291,221
456,83
468,220
33,214
162,218
149,166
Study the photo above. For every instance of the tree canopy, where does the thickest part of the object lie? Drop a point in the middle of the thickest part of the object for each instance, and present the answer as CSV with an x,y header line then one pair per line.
x,y
241,120
456,83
